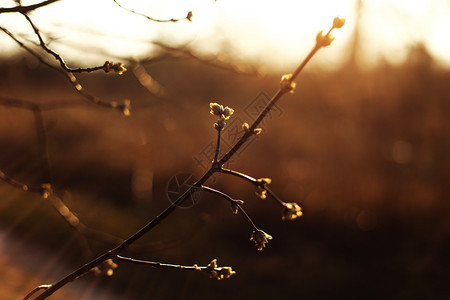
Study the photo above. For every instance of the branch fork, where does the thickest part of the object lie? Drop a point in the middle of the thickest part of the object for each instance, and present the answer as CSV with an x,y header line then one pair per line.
x,y
260,238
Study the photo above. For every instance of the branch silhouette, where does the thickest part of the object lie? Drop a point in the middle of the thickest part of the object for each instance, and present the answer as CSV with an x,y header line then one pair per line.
x,y
259,237
107,262
64,69
187,17
26,8
45,189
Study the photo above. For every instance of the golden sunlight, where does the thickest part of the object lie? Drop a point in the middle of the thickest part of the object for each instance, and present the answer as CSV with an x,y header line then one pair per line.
x,y
264,32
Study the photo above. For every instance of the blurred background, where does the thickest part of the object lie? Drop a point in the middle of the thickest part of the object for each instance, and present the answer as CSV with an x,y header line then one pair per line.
x,y
361,145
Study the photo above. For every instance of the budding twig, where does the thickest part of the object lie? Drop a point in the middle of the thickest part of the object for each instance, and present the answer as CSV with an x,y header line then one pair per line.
x,y
29,50
258,236
235,204
283,90
57,56
124,107
212,269
216,154
238,174
290,210
258,183
67,71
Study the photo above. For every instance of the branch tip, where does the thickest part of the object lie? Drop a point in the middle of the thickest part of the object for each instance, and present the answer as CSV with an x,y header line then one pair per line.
x,y
291,211
116,67
260,238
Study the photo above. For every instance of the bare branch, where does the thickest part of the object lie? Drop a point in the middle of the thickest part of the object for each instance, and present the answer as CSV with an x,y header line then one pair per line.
x,y
25,9
235,204
124,107
212,269
258,183
29,50
290,210
188,16
268,107
18,184
216,154
238,174
258,236
56,55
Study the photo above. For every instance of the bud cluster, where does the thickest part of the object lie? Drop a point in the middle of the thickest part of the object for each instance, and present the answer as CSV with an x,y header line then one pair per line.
x,y
116,67
224,113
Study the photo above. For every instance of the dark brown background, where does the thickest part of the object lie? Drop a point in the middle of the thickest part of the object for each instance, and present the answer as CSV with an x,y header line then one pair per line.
x,y
365,153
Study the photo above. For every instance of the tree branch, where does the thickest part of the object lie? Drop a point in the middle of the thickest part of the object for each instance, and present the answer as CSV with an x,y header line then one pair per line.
x,y
188,16
57,56
212,269
259,237
24,9
124,107
235,204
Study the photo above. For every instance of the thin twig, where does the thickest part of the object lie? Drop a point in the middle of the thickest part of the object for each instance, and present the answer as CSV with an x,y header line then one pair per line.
x,y
57,56
37,289
72,79
234,203
238,174
188,16
216,154
268,107
157,265
255,182
212,269
112,254
275,197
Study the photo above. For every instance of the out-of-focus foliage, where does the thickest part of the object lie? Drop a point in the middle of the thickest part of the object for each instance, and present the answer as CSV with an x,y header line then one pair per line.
x,y
364,153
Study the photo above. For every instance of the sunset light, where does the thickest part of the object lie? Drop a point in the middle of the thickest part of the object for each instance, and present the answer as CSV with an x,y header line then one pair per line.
x,y
224,149
271,33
